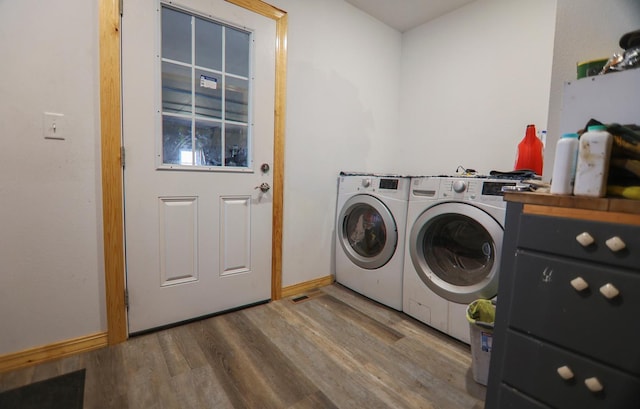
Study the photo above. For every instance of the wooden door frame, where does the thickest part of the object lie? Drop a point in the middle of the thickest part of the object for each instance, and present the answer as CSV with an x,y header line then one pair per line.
x,y
111,142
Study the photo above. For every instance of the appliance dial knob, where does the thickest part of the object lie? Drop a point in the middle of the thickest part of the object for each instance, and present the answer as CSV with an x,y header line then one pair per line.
x,y
459,186
366,182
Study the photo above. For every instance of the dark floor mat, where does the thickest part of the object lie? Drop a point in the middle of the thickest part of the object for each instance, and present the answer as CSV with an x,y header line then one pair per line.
x,y
62,392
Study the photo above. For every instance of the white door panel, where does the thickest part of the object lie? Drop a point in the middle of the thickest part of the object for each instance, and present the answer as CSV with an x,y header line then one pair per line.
x,y
197,241
235,235
178,227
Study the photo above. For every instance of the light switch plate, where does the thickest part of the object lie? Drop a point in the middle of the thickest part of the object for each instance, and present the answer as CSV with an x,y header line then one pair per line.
x,y
53,126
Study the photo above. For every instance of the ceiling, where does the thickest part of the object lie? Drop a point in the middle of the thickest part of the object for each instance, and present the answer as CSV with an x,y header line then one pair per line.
x,y
404,15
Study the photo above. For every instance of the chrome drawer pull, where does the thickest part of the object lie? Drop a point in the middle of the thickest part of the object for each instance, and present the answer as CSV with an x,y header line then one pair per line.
x,y
579,284
585,239
593,384
609,291
615,244
565,373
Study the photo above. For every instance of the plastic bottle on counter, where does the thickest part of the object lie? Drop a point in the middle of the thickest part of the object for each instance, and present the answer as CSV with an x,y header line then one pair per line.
x,y
564,165
530,152
592,169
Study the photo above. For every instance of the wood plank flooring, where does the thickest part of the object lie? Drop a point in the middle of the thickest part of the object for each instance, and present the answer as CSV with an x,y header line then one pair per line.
x,y
335,349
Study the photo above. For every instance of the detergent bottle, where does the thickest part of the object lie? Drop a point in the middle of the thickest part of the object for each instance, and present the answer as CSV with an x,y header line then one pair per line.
x,y
530,150
564,166
592,168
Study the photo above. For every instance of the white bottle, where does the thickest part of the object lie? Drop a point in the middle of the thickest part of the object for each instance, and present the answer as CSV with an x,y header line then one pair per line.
x,y
564,164
593,162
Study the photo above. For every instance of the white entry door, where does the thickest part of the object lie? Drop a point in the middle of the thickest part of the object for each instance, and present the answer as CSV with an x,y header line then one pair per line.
x,y
198,120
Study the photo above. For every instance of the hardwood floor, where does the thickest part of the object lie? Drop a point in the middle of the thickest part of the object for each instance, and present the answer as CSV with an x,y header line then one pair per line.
x,y
335,349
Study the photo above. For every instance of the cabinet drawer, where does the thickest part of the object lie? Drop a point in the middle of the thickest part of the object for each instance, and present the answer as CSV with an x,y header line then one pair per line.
x,y
558,236
545,304
510,398
532,367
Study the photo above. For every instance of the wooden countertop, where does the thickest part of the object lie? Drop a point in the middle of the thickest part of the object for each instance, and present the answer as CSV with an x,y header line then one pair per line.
x,y
576,202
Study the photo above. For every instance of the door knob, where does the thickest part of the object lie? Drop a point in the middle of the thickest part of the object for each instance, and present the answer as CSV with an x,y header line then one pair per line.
x,y
264,187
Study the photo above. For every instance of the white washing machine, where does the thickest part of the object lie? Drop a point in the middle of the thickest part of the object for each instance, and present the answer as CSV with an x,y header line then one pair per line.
x,y
370,230
452,249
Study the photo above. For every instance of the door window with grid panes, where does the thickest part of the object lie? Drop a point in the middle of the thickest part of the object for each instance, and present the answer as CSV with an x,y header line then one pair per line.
x,y
205,110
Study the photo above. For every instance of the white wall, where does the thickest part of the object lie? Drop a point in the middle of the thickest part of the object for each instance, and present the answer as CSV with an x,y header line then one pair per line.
x,y
51,278
342,114
363,97
471,82
585,30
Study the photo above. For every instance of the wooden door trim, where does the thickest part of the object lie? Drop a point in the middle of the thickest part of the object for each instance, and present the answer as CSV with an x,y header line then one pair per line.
x,y
111,141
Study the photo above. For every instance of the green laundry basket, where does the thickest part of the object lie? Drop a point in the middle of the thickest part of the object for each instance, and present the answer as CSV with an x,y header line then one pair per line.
x,y
481,315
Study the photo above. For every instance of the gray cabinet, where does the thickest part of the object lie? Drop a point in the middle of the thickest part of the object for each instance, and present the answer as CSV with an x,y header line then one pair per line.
x,y
567,331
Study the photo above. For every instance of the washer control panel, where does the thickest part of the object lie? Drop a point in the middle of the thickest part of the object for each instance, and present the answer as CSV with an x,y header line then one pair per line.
x,y
391,184
383,186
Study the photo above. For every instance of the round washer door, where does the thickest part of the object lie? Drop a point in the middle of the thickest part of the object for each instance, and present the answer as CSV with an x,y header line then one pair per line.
x,y
367,231
455,249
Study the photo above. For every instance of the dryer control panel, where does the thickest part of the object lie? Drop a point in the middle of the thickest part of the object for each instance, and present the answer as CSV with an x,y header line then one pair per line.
x,y
480,189
495,188
460,189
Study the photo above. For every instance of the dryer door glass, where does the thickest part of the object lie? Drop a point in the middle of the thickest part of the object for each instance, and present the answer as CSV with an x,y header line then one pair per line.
x,y
369,235
455,249
458,249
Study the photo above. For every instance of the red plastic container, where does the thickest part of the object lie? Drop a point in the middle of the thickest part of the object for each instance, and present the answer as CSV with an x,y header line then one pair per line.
x,y
530,152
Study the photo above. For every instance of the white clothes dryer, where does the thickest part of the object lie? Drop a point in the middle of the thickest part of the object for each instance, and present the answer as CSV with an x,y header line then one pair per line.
x,y
453,245
370,230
